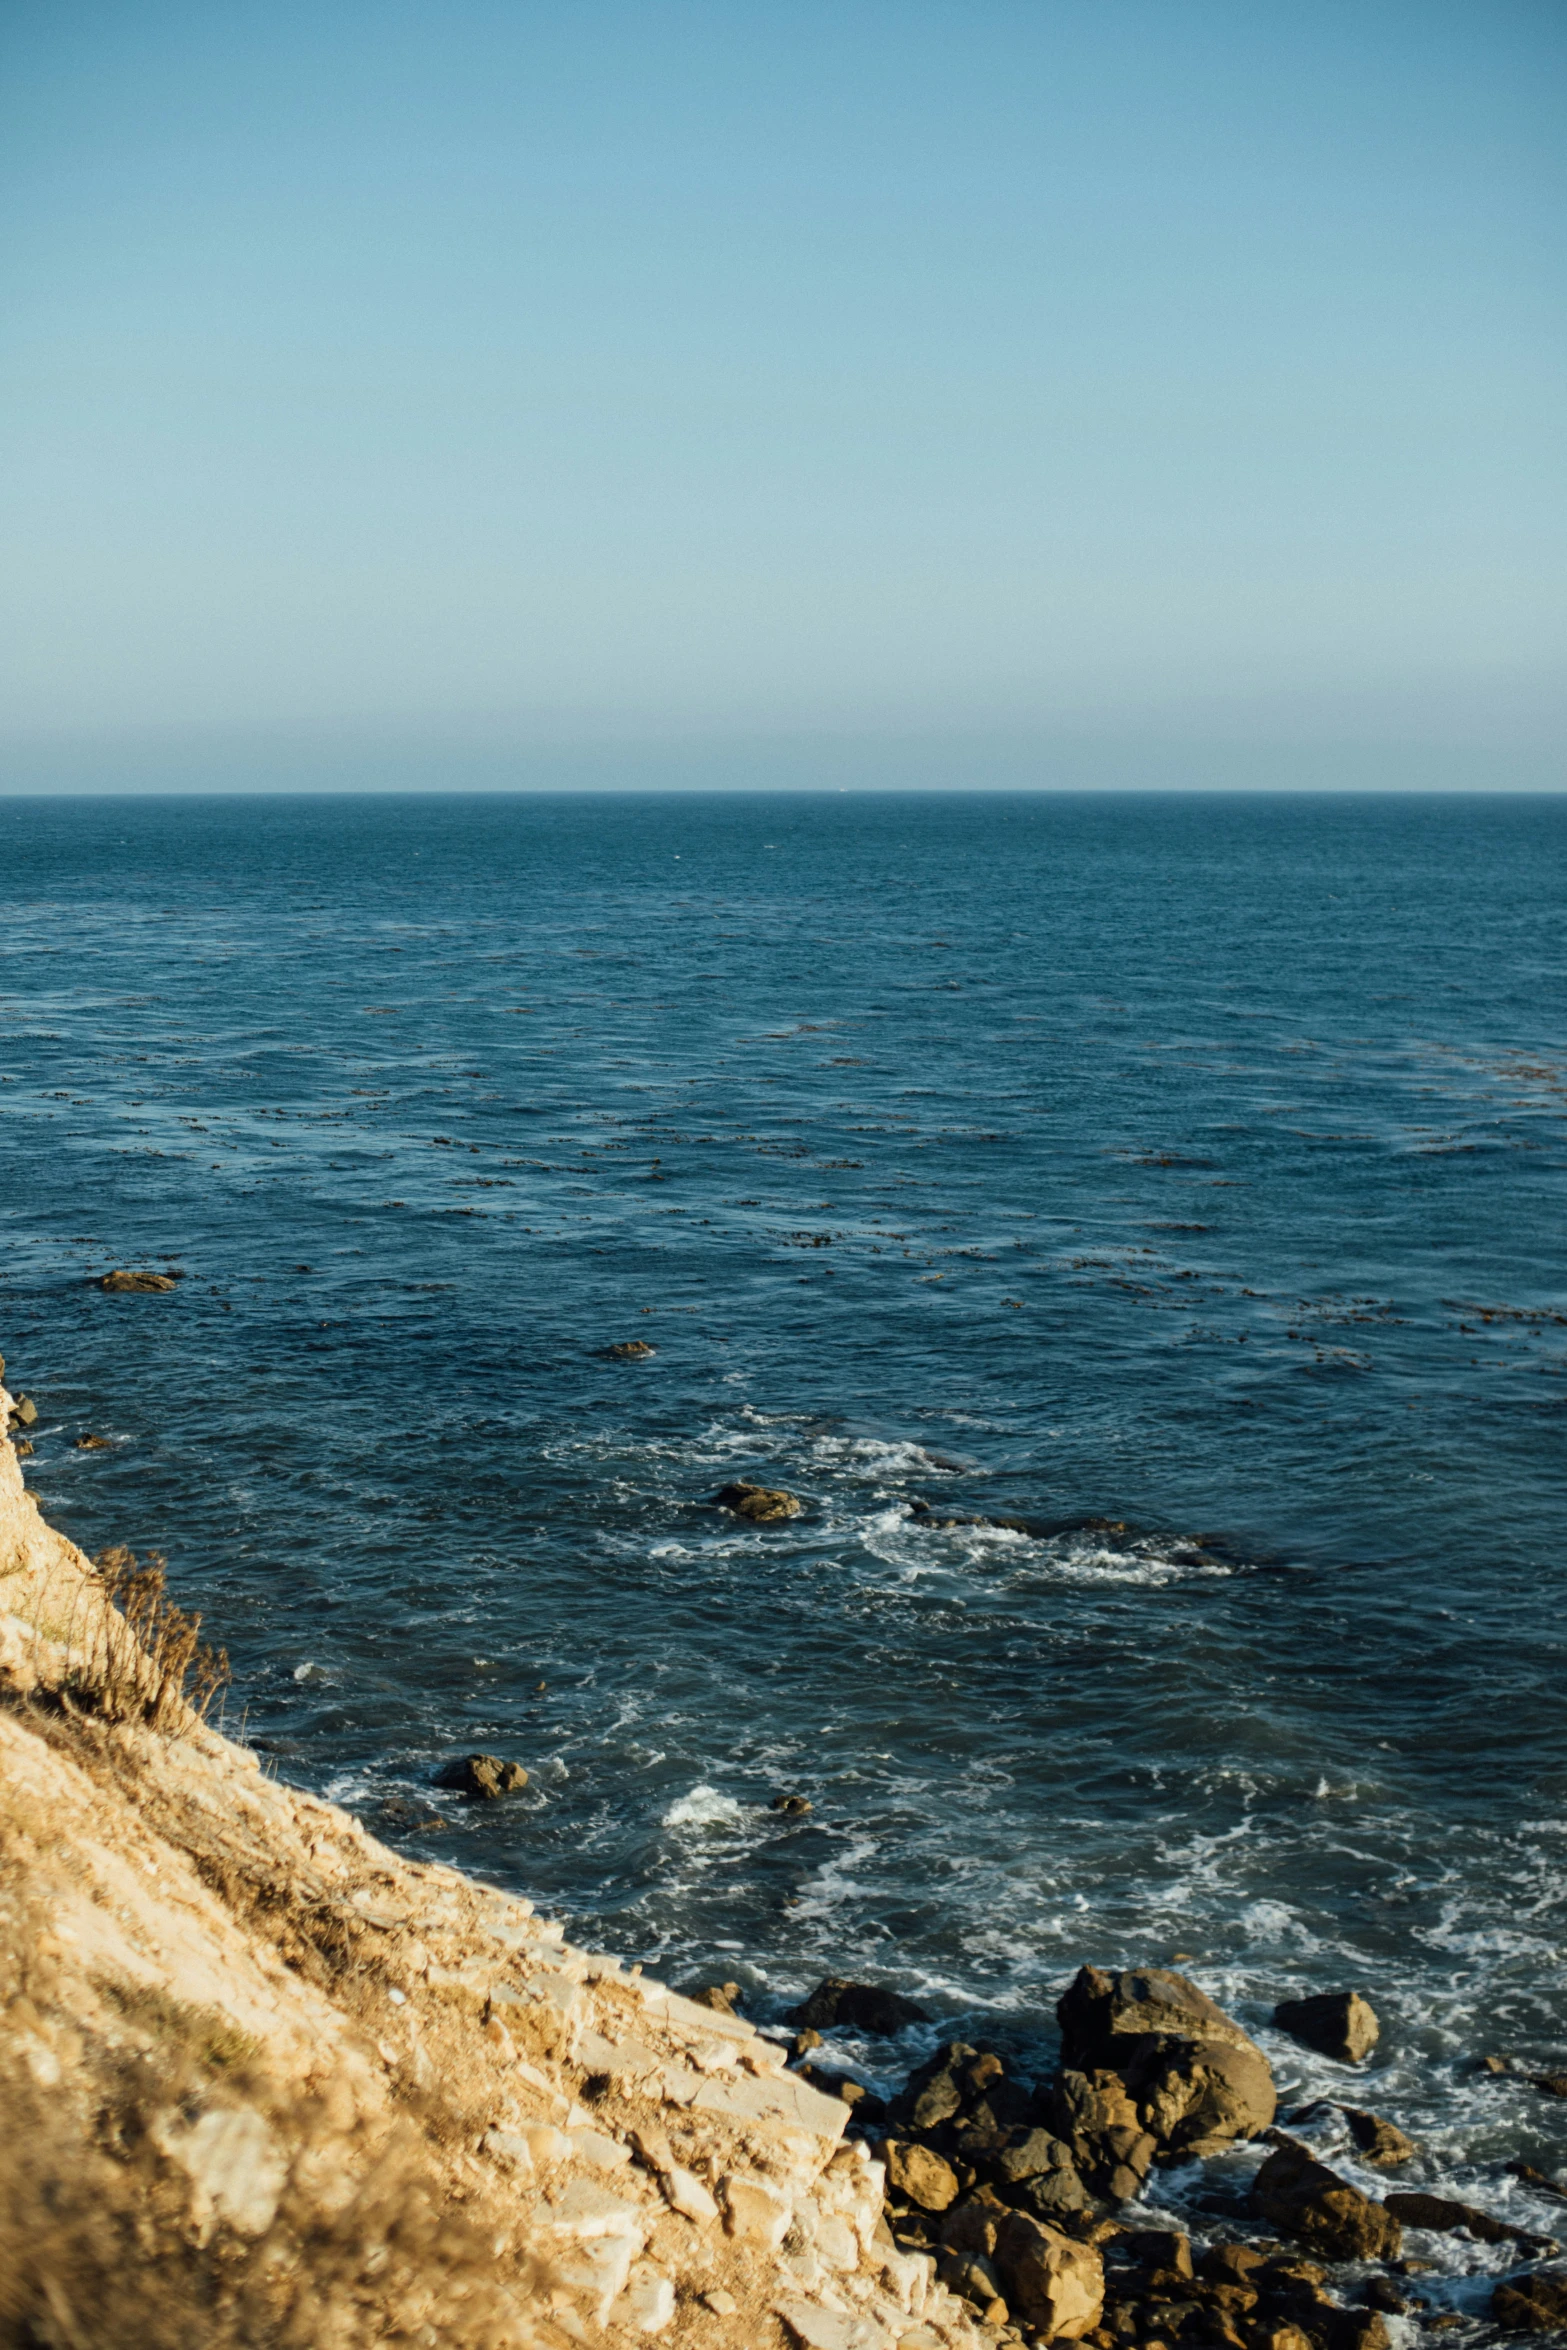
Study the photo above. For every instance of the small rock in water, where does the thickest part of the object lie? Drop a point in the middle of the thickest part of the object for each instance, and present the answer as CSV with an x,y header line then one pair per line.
x,y
124,1284
1549,2084
795,1805
91,1444
482,1777
23,1412
1444,2217
1339,2024
858,2007
1382,2144
764,1505
630,1350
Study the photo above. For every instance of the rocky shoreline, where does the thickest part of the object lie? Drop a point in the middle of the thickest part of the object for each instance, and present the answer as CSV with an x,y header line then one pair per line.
x,y
265,2080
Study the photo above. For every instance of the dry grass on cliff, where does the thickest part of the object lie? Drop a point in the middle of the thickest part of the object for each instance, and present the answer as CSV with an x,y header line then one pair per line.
x,y
97,2251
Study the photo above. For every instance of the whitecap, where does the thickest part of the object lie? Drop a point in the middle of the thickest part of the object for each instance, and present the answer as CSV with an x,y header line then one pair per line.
x,y
704,1807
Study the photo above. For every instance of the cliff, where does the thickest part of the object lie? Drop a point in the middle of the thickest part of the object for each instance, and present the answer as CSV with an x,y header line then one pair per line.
x,y
264,2080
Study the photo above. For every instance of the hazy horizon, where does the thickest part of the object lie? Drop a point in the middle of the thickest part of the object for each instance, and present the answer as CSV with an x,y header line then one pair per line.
x,y
916,397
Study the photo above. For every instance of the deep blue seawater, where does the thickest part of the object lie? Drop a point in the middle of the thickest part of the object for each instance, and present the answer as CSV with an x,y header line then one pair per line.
x,y
1194,1164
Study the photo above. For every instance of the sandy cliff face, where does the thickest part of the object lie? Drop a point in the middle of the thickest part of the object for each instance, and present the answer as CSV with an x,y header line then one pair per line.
x,y
264,2081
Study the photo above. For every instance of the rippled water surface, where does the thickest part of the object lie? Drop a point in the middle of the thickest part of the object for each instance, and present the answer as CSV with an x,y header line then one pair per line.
x,y
1190,1166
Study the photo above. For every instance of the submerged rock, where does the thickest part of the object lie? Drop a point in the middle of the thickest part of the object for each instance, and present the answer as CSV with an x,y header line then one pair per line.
x,y
482,1777
125,1284
1445,2217
1381,2143
794,1806
1339,2024
91,1444
856,2007
1302,2197
764,1505
1532,2305
630,1350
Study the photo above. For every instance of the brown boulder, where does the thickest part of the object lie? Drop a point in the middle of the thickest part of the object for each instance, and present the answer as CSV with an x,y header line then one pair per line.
x,y
1195,2079
1101,2013
1097,2120
138,1284
1339,2024
918,2175
1197,2097
24,1412
630,1350
1302,2197
1052,2282
482,1777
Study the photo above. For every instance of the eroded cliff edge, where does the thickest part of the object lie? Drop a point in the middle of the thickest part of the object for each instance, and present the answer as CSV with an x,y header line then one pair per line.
x,y
263,2080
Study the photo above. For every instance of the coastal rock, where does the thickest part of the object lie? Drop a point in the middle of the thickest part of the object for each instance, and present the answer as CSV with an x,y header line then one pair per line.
x,y
1101,2013
918,2175
126,1284
794,1807
1302,2197
1445,2217
481,1777
1339,2024
1099,2123
837,2003
1549,2084
1532,2305
1381,2144
1051,2281
764,1505
91,1444
24,1412
630,1350
1146,2052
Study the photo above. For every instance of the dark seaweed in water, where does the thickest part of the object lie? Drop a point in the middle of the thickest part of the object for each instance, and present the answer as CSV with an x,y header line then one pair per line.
x,y
1177,1163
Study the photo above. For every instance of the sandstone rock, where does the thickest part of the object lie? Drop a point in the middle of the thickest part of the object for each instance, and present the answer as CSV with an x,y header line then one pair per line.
x,y
795,1806
234,2164
856,2007
1052,2282
1532,2305
24,1412
647,2304
919,2175
972,2277
756,2212
1339,2024
1549,2084
137,1284
91,1444
1197,2097
481,1777
1301,2196
1381,2144
630,1350
765,1505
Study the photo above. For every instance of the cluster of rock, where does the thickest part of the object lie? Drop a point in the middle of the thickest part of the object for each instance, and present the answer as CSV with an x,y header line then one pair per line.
x,y
1019,2189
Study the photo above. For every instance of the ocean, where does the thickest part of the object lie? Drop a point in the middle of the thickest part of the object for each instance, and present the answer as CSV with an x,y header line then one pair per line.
x,y
1184,1174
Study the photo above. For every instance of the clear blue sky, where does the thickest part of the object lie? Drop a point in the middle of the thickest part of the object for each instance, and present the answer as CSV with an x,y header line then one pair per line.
x,y
1129,391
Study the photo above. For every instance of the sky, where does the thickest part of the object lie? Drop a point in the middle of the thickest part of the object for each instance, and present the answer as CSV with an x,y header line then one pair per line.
x,y
489,394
